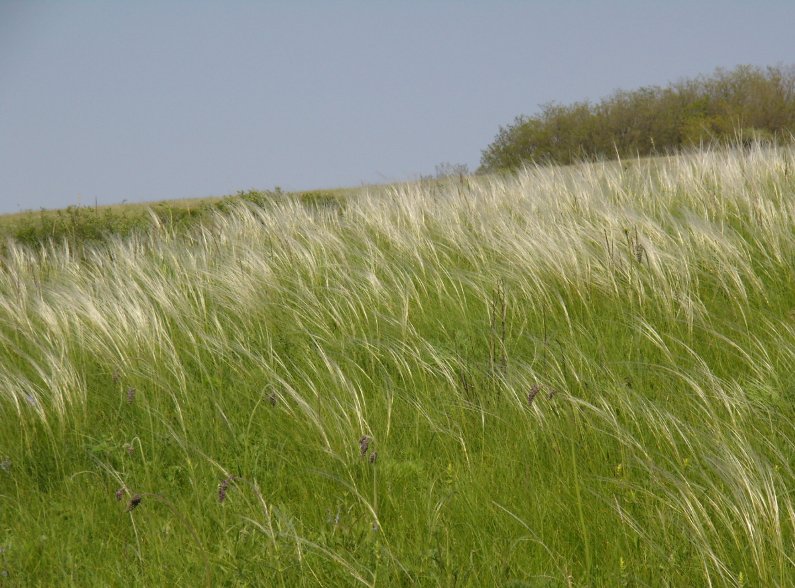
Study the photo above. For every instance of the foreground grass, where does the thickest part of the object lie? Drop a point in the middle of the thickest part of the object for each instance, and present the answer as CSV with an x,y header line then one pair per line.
x,y
571,377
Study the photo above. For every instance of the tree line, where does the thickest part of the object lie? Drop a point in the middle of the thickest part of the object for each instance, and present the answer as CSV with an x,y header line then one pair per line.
x,y
743,104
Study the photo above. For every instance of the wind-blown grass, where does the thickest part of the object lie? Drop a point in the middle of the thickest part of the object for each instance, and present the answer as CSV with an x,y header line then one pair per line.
x,y
568,377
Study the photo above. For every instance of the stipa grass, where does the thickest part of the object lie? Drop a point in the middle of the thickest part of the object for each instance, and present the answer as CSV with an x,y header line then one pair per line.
x,y
572,376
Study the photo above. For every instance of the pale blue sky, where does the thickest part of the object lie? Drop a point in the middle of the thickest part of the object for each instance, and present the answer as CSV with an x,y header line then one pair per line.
x,y
152,100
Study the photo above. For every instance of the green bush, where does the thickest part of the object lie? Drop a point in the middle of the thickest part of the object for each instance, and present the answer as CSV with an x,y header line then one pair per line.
x,y
745,104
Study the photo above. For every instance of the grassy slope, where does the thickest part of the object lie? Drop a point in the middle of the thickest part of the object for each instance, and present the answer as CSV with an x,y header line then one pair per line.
x,y
116,218
578,376
88,225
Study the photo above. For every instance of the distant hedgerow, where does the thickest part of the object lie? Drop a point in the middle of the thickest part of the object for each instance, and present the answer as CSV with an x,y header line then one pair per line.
x,y
747,104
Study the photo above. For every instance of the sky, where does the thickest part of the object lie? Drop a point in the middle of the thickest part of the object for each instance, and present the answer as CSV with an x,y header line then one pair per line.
x,y
104,102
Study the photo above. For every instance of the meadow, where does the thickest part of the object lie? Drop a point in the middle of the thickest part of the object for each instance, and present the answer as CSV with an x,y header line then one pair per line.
x,y
565,376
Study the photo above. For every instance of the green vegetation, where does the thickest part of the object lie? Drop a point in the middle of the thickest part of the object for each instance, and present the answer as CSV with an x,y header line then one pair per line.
x,y
570,376
81,226
748,104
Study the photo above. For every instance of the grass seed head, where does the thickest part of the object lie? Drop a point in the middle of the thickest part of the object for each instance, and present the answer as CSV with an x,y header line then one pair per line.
x,y
130,395
533,393
134,502
223,487
364,444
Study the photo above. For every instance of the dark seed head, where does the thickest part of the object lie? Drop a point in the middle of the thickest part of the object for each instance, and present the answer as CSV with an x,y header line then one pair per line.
x,y
120,493
272,399
134,502
223,487
373,456
130,395
533,393
364,444
116,376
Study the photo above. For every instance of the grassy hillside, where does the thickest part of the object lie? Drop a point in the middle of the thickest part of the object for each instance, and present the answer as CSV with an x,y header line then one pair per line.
x,y
95,223
573,376
81,226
